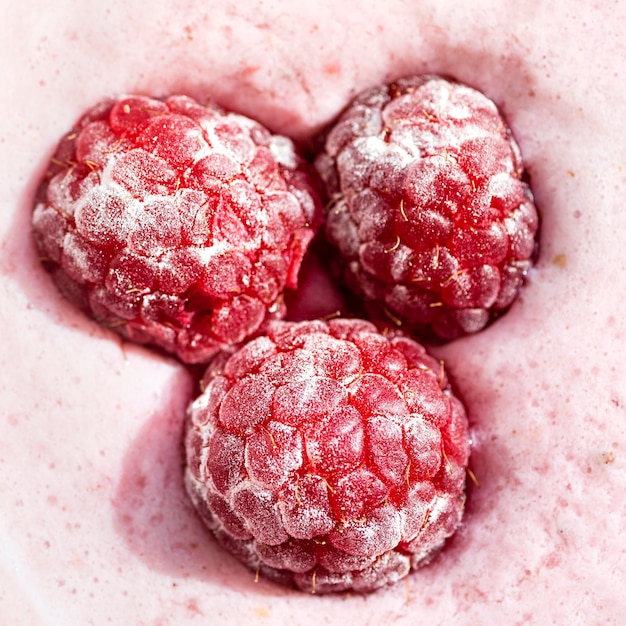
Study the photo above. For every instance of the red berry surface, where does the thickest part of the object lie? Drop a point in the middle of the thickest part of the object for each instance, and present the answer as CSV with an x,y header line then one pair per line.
x,y
429,208
174,223
328,455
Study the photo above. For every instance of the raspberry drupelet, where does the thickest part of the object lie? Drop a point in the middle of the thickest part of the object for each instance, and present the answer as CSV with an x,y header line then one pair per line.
x,y
429,208
176,224
327,455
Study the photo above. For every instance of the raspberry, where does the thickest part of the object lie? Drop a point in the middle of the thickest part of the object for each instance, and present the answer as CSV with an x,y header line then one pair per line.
x,y
176,224
327,455
429,210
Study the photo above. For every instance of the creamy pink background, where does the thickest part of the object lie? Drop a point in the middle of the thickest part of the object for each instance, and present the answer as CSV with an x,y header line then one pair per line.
x,y
94,527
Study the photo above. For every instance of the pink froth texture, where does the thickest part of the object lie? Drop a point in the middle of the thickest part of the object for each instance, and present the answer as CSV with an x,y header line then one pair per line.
x,y
94,524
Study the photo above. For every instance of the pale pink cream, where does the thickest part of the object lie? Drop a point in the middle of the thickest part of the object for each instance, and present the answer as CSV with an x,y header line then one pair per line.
x,y
94,524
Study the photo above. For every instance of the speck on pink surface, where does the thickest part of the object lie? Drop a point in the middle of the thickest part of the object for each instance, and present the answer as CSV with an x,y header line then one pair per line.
x,y
94,525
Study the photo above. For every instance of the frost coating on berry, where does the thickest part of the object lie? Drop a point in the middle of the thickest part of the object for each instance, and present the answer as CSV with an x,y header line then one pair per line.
x,y
343,474
176,224
429,210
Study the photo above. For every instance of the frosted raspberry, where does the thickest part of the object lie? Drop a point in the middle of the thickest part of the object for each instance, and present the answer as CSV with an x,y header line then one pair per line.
x,y
429,208
175,224
327,455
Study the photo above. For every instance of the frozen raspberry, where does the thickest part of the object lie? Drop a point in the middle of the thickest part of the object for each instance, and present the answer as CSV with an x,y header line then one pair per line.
x,y
429,208
175,224
327,455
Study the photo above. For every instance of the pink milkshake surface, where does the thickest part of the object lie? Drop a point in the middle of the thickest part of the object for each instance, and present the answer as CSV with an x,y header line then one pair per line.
x,y
95,527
